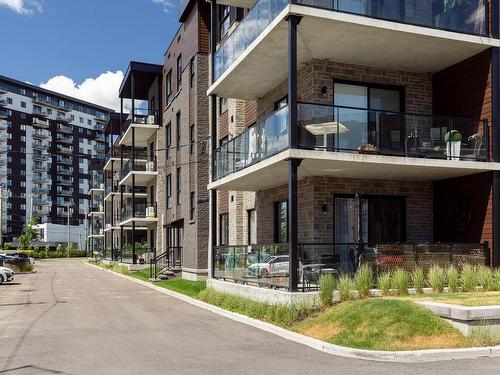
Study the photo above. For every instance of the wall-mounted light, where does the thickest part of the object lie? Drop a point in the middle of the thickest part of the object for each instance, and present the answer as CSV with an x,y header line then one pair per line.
x,y
324,90
324,208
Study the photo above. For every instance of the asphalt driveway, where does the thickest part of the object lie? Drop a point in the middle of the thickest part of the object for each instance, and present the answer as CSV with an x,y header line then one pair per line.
x,y
69,318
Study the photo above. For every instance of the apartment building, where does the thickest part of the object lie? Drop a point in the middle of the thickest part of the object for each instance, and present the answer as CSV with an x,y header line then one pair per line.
x,y
52,145
356,132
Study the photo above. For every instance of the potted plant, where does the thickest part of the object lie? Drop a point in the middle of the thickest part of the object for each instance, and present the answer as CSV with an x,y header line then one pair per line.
x,y
453,141
142,248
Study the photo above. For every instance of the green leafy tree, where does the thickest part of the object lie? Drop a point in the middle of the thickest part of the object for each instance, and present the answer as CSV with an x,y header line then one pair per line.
x,y
59,248
6,245
29,234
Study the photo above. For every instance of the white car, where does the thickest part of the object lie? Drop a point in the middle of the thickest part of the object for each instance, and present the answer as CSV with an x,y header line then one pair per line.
x,y
273,266
6,274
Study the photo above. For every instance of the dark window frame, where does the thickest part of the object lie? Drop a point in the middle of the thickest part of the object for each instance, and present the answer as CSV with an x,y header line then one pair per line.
x,y
192,72
192,139
179,72
168,182
226,106
192,205
249,226
224,229
168,87
178,130
168,139
178,185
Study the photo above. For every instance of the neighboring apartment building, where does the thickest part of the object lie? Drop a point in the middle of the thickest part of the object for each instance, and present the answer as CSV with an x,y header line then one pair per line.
x,y
157,168
354,128
52,145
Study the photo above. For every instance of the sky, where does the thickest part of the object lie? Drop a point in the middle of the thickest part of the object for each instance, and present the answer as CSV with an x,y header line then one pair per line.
x,y
82,47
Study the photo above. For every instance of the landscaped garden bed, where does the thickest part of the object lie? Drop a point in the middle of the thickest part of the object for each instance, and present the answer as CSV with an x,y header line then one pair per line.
x,y
346,313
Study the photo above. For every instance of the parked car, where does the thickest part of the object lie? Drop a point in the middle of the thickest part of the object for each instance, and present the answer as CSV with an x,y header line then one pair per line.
x,y
15,261
6,275
272,266
24,256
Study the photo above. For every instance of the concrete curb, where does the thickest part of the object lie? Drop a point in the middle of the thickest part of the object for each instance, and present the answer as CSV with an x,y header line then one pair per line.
x,y
431,355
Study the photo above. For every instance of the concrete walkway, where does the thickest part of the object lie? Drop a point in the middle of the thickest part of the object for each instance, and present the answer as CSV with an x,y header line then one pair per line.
x,y
69,318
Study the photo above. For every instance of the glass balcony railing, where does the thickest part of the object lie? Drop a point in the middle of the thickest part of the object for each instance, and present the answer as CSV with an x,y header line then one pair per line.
x,y
139,165
469,17
141,116
259,142
140,210
345,129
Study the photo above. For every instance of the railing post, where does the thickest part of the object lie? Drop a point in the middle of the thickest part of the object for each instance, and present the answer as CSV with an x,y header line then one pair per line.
x,y
293,134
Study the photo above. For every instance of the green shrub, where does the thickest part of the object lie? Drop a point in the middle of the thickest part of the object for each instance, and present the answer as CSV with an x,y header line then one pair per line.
x,y
326,288
346,287
385,282
364,281
485,278
496,275
59,247
469,278
437,278
400,281
418,280
453,136
453,279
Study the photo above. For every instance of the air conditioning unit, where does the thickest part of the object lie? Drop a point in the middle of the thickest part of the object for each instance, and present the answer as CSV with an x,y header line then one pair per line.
x,y
150,120
150,166
150,212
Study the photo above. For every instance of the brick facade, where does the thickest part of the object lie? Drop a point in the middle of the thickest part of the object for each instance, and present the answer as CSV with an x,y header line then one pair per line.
x,y
314,192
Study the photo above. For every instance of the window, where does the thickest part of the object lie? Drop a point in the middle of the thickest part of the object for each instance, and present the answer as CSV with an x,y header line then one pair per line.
x,y
169,191
72,117
168,139
9,100
23,116
89,122
192,205
168,86
251,226
224,229
191,72
281,221
23,104
81,120
49,111
178,129
179,72
222,105
224,21
191,140
178,183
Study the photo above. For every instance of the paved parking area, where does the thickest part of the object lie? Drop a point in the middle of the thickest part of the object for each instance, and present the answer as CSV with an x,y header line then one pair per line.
x,y
69,318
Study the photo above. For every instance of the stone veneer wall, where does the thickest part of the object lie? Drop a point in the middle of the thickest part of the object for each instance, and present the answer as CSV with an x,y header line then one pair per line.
x,y
316,226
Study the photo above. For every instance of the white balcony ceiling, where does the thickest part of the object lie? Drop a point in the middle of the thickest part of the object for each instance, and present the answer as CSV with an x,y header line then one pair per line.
x,y
343,38
238,3
273,172
142,135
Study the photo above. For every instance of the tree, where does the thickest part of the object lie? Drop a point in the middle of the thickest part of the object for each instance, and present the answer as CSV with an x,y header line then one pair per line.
x,y
29,234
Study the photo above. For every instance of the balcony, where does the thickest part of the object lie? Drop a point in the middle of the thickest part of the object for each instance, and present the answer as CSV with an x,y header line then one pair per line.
x,y
62,170
3,102
60,159
61,128
38,156
40,178
64,180
40,145
63,118
61,138
64,202
4,114
65,192
64,149
40,190
50,102
4,124
99,137
37,201
39,167
40,113
99,127
138,212
40,134
140,127
139,171
3,149
408,35
97,207
356,143
40,123
101,118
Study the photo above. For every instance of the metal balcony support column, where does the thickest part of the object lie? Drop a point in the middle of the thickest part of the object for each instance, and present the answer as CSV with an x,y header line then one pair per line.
x,y
213,142
293,165
293,131
132,93
495,19
495,125
134,255
121,243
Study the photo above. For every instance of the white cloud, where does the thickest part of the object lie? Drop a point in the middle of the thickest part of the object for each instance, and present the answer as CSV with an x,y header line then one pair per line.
x,y
167,5
22,6
102,90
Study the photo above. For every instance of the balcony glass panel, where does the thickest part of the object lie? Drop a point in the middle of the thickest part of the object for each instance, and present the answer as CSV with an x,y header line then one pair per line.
x,y
469,17
259,142
391,133
139,210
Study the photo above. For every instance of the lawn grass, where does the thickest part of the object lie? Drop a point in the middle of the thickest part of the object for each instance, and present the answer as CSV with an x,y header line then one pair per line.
x,y
382,324
394,323
465,299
